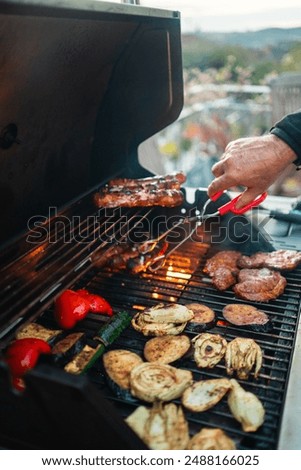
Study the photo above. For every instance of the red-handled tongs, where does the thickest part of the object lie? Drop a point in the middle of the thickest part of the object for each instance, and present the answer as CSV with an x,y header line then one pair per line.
x,y
159,261
228,207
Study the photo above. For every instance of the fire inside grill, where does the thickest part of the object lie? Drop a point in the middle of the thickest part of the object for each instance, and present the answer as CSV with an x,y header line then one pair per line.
x,y
31,281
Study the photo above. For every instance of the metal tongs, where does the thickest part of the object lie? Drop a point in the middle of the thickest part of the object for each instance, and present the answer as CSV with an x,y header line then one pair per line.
x,y
159,261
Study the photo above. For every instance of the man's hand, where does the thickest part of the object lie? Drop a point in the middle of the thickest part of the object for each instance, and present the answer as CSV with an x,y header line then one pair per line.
x,y
253,162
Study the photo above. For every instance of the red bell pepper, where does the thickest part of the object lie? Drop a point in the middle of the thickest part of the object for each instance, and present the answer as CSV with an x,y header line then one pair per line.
x,y
72,306
97,303
22,355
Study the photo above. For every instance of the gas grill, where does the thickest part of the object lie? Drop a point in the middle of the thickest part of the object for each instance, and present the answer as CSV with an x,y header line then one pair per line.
x,y
59,240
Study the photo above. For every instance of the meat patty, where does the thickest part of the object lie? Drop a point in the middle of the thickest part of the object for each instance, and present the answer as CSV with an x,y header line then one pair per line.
x,y
171,181
138,198
260,285
223,269
142,192
280,260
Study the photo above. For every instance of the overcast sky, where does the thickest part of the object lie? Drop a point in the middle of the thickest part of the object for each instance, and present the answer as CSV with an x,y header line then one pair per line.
x,y
233,15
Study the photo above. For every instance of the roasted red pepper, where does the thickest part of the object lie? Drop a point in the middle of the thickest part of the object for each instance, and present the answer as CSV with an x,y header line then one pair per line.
x,y
97,303
22,355
72,306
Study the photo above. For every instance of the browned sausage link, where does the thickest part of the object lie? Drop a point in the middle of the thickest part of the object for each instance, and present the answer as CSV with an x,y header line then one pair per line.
x,y
144,198
173,180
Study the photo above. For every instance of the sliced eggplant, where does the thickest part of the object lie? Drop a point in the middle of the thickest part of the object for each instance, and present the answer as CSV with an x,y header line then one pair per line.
x,y
247,316
166,349
203,319
68,347
34,330
118,364
82,359
203,395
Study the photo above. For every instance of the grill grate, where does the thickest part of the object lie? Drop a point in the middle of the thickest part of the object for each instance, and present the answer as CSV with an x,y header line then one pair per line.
x,y
32,274
173,284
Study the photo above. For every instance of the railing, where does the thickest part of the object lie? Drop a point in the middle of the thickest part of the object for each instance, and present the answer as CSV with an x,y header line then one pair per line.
x,y
286,95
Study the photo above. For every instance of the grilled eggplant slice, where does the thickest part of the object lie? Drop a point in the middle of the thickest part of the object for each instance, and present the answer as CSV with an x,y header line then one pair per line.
x,y
242,355
247,315
166,349
211,439
118,364
203,319
34,330
163,427
68,347
82,359
151,382
205,394
209,349
246,408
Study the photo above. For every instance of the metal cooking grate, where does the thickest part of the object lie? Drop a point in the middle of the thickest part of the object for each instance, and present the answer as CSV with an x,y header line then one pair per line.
x,y
32,274
174,284
53,256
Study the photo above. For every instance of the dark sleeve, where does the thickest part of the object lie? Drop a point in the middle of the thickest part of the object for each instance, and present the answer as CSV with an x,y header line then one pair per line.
x,y
289,130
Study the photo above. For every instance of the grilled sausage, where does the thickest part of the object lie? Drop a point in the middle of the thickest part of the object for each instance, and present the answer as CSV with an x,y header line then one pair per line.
x,y
172,181
140,198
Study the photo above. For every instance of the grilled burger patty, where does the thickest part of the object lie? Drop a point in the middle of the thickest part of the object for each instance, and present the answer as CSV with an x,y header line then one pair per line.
x,y
260,285
223,269
280,260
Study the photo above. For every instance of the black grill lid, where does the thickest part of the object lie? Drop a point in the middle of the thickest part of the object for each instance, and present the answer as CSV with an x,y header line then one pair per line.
x,y
82,83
